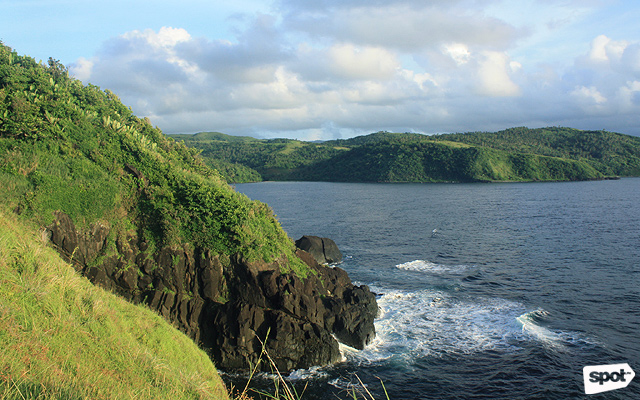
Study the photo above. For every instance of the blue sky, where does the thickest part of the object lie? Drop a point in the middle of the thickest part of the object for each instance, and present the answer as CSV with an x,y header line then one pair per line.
x,y
338,68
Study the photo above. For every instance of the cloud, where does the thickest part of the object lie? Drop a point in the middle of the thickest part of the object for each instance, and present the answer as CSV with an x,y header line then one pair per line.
x,y
82,69
605,50
405,26
493,76
590,99
327,69
458,52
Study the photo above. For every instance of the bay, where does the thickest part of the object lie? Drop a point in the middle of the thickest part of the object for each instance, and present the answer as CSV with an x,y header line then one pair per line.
x,y
486,290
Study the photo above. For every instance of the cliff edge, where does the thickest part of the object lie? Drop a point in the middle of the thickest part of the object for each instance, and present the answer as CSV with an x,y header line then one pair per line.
x,y
229,305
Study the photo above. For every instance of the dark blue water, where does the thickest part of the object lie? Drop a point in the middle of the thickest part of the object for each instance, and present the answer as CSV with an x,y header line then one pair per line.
x,y
487,291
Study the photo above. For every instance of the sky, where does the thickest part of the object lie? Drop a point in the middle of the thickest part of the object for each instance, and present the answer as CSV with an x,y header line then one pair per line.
x,y
327,69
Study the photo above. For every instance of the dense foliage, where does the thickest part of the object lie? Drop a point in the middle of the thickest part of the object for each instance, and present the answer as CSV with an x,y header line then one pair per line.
x,y
75,148
610,153
440,162
518,154
274,159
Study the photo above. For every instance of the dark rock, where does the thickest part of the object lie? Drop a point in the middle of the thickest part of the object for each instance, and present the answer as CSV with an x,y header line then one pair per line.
x,y
323,250
128,278
65,238
351,309
97,276
291,342
353,324
230,306
145,282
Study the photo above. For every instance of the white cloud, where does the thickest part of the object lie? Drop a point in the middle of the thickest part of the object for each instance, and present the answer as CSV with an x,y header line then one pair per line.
x,y
603,49
589,96
629,96
334,68
493,74
406,26
82,69
369,63
458,51
166,38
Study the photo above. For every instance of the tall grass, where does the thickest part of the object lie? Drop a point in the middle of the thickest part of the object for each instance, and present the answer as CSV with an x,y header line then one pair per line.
x,y
282,389
63,338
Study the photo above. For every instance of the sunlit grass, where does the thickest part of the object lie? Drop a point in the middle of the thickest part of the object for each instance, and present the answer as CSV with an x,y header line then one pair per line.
x,y
63,338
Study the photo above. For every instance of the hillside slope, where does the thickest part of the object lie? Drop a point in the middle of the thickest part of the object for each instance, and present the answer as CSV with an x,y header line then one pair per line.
x,y
512,155
609,152
77,149
142,215
62,337
444,162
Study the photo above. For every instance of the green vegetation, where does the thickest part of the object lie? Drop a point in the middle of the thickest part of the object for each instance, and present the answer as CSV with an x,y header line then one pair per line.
x,y
234,172
77,149
441,162
610,153
274,159
518,154
63,338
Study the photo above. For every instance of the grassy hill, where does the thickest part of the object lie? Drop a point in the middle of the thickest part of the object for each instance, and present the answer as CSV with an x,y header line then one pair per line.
x,y
63,338
75,149
246,159
518,154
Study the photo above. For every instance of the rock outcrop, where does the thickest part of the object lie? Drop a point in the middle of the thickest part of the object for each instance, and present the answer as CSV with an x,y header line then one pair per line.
x,y
228,305
323,250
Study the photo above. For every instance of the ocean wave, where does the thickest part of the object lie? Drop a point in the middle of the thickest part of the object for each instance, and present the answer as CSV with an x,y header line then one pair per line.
x,y
307,374
557,339
426,266
432,323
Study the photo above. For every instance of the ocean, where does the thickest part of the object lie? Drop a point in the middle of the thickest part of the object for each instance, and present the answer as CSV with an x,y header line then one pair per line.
x,y
486,291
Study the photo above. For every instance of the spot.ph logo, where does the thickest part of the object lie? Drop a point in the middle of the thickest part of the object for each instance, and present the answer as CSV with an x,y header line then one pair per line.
x,y
602,378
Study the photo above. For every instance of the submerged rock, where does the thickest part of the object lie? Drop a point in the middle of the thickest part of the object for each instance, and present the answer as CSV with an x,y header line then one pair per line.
x,y
230,306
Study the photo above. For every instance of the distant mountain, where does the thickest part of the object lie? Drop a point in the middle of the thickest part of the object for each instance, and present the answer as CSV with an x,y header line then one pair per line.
x,y
207,136
609,152
516,154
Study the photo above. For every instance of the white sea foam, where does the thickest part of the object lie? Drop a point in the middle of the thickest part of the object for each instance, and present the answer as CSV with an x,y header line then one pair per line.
x,y
426,266
431,323
556,339
306,374
529,326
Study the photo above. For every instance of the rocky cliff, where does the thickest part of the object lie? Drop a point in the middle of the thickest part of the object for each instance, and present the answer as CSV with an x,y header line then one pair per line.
x,y
227,304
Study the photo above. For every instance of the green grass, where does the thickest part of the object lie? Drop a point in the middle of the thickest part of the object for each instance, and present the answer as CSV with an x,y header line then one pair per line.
x,y
77,149
63,338
290,147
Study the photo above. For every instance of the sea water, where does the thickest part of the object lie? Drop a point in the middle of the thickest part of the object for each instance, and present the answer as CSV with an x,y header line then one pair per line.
x,y
486,291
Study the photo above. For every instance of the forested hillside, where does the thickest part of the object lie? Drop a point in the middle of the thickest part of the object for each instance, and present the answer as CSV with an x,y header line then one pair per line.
x,y
611,153
444,162
518,154
274,159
